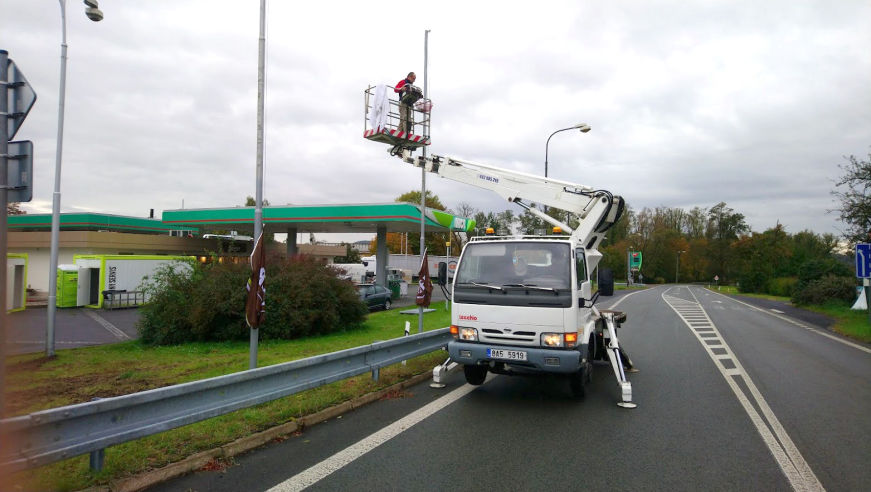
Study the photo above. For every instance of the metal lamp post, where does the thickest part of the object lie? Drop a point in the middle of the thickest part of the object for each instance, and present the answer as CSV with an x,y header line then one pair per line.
x,y
96,15
677,267
583,127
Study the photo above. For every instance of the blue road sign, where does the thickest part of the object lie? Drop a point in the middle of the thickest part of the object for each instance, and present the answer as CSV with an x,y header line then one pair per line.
x,y
863,260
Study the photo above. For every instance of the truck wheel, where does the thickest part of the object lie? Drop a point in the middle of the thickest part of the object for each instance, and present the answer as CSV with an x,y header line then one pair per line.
x,y
606,282
577,381
475,375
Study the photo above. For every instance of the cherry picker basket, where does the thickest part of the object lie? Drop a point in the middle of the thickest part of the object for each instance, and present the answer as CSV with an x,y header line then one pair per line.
x,y
385,122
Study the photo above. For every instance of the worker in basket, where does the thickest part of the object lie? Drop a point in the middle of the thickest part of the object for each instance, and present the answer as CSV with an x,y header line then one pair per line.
x,y
408,95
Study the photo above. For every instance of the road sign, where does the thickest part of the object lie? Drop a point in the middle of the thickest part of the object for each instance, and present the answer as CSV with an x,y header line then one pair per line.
x,y
863,260
635,260
20,96
20,171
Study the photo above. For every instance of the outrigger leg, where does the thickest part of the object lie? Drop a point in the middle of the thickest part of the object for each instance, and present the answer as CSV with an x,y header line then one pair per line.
x,y
616,360
440,371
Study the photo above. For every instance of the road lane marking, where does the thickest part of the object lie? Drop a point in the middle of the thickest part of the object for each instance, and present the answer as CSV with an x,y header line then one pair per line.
x,y
799,324
612,306
787,455
334,463
106,324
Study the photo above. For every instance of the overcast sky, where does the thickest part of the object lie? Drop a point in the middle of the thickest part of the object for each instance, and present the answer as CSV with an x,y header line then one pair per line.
x,y
690,103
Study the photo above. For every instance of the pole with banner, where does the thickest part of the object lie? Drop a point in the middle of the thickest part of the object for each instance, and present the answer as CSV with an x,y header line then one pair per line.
x,y
255,302
424,285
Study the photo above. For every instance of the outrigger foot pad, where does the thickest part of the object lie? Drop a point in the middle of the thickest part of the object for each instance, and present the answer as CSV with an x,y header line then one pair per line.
x,y
626,404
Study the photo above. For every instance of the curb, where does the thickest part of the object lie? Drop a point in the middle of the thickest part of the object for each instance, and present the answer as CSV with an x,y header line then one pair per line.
x,y
242,445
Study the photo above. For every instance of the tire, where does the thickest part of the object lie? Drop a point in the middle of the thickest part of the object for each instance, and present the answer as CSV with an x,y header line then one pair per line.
x,y
606,282
475,375
386,304
577,381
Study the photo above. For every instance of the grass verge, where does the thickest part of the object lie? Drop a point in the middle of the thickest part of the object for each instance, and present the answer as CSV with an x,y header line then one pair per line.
x,y
78,375
854,324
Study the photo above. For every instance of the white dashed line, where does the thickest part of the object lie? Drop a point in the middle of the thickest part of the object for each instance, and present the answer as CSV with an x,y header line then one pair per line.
x,y
799,324
337,461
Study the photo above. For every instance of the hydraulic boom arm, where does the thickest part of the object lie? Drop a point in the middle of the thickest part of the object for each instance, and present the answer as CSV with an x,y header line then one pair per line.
x,y
597,210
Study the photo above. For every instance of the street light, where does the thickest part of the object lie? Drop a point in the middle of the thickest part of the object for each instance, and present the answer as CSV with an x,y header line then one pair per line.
x,y
96,15
583,127
677,266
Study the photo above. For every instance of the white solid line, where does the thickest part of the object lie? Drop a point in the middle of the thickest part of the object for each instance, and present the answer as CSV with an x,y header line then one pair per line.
x,y
799,324
106,324
612,306
335,462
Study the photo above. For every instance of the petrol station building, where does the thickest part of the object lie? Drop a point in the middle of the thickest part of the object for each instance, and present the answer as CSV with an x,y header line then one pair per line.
x,y
203,232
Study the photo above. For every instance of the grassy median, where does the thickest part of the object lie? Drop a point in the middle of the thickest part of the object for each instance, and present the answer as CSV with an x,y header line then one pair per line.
x,y
79,375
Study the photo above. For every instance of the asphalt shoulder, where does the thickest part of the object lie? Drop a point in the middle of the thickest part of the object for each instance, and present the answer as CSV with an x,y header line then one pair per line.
x,y
816,319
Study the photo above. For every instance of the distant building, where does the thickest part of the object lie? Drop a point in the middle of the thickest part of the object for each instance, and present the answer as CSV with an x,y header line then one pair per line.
x,y
361,246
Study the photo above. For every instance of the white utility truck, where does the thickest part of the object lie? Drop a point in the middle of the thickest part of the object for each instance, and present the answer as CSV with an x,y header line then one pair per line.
x,y
524,305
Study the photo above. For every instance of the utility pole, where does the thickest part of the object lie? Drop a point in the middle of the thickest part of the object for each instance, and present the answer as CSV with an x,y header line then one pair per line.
x,y
4,146
677,267
258,210
423,175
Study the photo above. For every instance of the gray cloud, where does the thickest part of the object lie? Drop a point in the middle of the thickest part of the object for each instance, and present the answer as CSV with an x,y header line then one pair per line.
x,y
690,103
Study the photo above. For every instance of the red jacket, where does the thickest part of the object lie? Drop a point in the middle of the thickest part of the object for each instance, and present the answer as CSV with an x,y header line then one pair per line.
x,y
400,85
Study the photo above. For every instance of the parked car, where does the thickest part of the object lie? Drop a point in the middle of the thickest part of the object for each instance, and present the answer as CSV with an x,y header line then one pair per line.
x,y
374,296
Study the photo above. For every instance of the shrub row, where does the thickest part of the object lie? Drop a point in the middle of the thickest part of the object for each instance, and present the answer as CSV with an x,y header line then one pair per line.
x,y
828,288
206,302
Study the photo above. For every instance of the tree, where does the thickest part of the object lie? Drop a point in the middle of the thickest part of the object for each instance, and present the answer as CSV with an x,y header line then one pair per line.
x,y
435,241
14,208
250,201
855,209
432,201
724,227
351,255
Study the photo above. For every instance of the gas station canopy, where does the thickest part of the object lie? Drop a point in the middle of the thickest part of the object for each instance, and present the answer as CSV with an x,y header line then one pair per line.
x,y
395,217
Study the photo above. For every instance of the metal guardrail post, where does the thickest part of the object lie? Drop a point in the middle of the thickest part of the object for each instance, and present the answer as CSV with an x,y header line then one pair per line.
x,y
98,457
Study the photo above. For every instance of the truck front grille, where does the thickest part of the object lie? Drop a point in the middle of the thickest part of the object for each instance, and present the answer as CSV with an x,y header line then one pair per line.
x,y
517,336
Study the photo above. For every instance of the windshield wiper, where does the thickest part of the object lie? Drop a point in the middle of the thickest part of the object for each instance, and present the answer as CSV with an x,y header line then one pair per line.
x,y
476,284
531,286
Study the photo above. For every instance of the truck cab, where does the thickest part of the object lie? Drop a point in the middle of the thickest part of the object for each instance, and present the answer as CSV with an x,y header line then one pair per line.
x,y
521,305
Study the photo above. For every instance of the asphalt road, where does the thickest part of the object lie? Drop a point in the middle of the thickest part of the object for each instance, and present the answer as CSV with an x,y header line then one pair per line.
x,y
730,397
74,327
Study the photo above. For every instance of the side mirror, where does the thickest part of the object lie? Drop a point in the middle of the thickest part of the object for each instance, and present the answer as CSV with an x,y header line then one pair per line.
x,y
584,302
443,274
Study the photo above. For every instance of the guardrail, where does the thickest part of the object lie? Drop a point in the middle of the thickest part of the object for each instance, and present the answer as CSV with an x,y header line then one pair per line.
x,y
52,435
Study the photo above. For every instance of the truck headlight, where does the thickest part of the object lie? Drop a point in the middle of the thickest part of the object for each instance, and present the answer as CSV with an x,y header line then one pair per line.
x,y
551,339
468,334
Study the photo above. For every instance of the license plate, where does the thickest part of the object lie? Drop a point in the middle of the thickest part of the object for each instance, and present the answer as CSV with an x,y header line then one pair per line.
x,y
506,354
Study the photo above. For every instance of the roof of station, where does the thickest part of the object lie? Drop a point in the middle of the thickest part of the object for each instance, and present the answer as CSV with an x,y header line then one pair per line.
x,y
396,217
89,221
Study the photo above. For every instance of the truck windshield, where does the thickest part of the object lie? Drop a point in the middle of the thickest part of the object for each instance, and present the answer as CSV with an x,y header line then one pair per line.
x,y
540,266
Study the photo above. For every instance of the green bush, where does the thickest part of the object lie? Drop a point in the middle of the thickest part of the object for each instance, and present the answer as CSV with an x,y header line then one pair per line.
x,y
828,288
781,286
750,282
818,268
207,302
164,320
